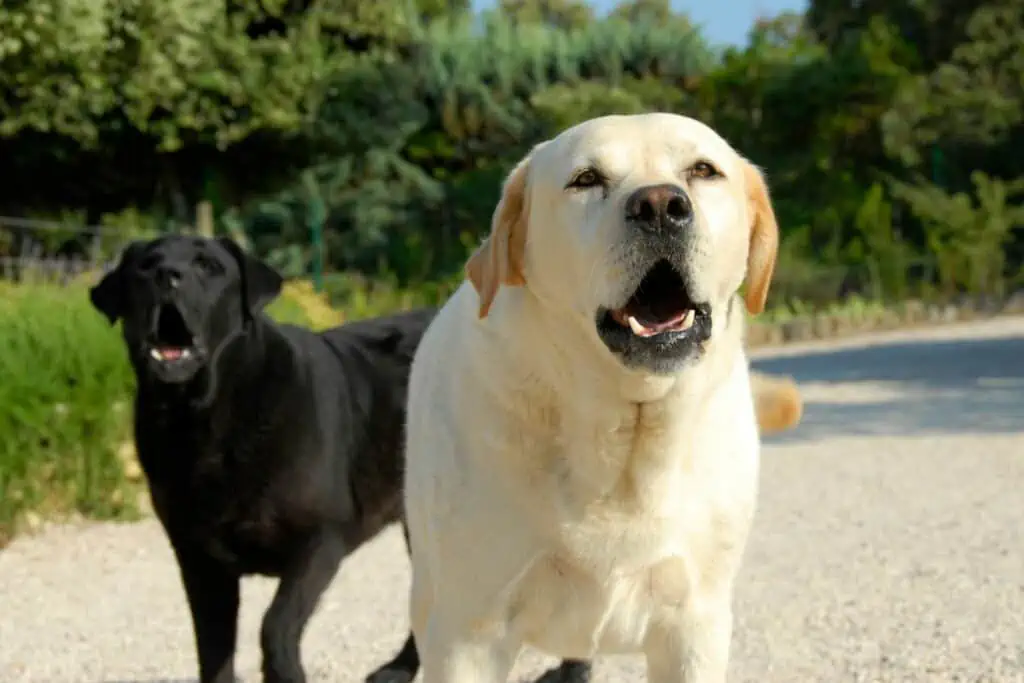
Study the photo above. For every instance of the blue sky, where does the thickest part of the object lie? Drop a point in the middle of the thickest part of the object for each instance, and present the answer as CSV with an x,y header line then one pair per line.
x,y
723,21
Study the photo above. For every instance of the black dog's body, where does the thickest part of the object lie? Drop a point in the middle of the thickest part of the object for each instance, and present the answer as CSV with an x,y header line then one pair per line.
x,y
293,465
268,449
305,431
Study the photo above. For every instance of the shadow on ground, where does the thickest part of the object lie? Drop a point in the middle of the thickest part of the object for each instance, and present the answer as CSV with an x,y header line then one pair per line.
x,y
907,388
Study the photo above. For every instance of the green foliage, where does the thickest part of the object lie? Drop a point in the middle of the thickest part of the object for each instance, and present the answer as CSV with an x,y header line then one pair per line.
x,y
175,72
649,12
159,104
431,148
976,98
563,14
933,27
404,115
969,234
879,247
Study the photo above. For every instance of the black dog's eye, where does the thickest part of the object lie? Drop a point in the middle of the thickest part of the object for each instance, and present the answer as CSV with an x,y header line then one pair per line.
x,y
585,179
149,262
704,171
206,263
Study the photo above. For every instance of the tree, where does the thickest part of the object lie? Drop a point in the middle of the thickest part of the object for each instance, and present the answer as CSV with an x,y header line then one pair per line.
x,y
103,103
646,11
975,100
968,232
563,14
933,27
418,149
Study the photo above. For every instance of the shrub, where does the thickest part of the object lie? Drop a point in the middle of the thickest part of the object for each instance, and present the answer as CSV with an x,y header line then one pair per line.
x,y
300,304
360,297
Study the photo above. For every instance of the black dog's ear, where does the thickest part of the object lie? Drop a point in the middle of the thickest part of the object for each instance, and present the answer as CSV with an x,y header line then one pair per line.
x,y
108,295
260,283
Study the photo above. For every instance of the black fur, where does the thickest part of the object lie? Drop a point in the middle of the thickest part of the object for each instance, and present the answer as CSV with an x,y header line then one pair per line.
x,y
268,449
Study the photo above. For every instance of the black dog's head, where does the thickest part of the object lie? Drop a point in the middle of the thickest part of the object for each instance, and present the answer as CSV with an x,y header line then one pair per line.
x,y
180,299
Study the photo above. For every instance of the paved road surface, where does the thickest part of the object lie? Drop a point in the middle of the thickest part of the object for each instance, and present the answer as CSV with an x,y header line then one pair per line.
x,y
889,546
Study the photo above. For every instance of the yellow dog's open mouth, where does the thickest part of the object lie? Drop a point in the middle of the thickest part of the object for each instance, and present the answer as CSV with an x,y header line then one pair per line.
x,y
661,304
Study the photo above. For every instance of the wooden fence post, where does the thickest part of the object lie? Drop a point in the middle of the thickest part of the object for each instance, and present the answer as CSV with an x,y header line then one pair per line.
x,y
204,218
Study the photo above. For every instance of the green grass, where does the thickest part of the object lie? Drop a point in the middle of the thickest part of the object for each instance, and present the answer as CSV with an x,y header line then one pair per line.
x,y
852,307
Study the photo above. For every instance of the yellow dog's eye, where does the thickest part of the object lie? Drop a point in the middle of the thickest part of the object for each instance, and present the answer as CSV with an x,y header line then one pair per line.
x,y
704,170
588,177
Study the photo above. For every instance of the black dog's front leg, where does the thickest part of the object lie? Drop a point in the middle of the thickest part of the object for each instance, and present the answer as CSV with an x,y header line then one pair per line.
x,y
212,596
297,596
402,668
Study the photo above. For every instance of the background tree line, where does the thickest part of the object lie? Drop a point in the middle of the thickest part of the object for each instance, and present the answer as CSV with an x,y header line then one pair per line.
x,y
891,130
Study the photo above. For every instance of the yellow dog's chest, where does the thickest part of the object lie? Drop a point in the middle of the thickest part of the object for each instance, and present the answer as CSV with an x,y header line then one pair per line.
x,y
567,611
631,516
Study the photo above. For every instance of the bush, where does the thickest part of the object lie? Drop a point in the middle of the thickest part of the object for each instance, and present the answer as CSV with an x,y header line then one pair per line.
x,y
65,402
358,296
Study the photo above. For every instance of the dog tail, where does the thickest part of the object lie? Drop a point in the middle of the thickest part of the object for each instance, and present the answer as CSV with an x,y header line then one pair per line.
x,y
777,402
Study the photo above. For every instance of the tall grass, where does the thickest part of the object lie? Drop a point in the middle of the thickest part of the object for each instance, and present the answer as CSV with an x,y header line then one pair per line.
x,y
64,406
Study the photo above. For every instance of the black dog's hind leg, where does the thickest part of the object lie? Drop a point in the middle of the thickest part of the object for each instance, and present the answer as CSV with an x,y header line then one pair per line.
x,y
297,596
213,599
403,667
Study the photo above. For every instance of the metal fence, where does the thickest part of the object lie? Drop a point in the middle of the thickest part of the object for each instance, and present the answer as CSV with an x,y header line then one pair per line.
x,y
55,251
51,251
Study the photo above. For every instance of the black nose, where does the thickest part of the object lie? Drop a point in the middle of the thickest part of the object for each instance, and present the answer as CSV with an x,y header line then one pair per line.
x,y
659,208
168,275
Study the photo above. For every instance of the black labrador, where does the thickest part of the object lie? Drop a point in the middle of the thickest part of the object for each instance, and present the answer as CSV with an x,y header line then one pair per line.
x,y
268,449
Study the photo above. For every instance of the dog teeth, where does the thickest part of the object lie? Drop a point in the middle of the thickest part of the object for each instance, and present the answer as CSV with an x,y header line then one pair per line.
x,y
687,322
638,327
175,354
641,330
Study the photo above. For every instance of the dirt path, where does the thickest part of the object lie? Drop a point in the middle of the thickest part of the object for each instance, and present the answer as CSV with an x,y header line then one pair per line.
x,y
888,546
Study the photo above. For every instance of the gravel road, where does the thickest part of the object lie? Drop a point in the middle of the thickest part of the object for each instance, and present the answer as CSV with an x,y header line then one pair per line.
x,y
888,546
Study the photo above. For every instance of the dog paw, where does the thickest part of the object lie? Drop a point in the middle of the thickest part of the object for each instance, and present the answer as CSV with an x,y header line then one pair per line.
x,y
385,675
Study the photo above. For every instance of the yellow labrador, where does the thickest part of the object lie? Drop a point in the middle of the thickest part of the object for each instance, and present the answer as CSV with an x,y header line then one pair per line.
x,y
582,446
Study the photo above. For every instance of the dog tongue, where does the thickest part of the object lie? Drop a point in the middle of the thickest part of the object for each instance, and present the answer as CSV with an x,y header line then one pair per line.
x,y
170,353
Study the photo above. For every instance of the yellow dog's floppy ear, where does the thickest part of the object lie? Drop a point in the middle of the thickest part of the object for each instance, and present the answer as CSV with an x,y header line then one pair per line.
x,y
764,240
499,258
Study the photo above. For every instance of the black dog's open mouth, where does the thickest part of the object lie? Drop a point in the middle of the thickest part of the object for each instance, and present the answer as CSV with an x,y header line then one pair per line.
x,y
171,341
661,305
